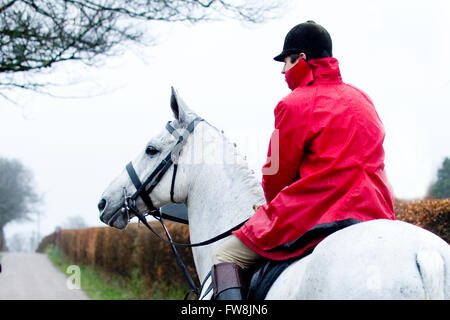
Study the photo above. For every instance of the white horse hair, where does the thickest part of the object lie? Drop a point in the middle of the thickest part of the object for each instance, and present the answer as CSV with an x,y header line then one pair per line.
x,y
379,259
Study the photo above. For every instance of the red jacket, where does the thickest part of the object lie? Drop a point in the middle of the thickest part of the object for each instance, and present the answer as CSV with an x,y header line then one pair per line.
x,y
328,171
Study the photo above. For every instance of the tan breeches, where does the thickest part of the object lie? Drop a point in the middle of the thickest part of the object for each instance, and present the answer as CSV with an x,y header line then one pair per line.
x,y
234,250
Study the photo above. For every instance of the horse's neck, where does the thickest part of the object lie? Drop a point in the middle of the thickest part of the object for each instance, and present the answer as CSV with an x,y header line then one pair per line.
x,y
221,196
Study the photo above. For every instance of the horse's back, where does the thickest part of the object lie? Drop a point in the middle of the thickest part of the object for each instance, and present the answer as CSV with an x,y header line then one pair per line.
x,y
379,259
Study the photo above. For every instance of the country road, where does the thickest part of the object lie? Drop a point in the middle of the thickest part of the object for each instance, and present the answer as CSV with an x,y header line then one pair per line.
x,y
31,276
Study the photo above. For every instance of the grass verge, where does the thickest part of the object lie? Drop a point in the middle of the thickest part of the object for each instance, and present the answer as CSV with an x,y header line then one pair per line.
x,y
100,285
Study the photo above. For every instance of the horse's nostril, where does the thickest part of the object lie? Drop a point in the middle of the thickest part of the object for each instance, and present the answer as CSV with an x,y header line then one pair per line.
x,y
101,205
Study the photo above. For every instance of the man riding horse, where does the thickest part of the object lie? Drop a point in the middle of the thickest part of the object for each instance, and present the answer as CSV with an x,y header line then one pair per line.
x,y
324,169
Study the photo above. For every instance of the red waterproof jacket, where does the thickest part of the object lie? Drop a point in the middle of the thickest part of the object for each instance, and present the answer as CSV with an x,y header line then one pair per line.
x,y
325,165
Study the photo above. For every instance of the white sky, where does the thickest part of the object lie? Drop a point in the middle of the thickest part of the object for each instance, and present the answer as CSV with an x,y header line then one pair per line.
x,y
396,51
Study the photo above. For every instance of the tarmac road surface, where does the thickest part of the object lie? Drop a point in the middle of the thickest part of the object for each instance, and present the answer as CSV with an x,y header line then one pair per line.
x,y
31,276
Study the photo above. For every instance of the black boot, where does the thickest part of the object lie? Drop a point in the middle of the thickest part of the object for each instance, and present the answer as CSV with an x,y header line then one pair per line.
x,y
227,281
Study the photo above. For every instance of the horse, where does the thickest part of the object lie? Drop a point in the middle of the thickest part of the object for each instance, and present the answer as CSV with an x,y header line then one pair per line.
x,y
377,259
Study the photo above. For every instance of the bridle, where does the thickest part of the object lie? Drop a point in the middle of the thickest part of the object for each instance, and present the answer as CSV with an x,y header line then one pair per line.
x,y
143,190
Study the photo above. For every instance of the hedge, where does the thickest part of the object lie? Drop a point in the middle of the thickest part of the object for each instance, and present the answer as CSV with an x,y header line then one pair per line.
x,y
430,214
123,251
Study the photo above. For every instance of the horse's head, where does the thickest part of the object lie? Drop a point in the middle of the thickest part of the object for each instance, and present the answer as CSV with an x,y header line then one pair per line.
x,y
148,182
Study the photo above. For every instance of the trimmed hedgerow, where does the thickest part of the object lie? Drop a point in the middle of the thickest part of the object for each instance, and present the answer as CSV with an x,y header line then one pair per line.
x,y
430,214
125,251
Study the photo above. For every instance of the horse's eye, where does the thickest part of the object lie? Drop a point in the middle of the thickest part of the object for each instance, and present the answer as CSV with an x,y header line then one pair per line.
x,y
151,151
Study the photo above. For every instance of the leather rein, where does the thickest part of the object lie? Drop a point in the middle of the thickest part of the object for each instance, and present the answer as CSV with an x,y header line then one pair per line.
x,y
143,190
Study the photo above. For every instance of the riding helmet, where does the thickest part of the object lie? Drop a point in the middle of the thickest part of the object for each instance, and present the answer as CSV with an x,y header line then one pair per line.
x,y
308,37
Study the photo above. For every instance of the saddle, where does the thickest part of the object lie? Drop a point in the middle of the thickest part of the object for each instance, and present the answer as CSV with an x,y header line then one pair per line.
x,y
260,278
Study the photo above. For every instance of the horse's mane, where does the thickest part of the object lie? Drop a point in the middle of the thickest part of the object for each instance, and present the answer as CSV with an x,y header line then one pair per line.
x,y
248,175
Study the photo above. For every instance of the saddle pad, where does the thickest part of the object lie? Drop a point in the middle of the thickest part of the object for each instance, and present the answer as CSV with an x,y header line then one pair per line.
x,y
265,274
263,277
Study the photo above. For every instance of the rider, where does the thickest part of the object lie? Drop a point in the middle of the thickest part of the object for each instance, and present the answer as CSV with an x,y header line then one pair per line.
x,y
325,164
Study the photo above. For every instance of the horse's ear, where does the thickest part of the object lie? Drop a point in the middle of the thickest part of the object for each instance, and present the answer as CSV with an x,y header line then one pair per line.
x,y
174,105
180,110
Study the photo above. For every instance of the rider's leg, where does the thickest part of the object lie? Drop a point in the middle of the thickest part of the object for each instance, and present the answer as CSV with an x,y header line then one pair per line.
x,y
229,260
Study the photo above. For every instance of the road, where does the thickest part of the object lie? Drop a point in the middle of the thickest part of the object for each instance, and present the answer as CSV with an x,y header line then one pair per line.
x,y
31,276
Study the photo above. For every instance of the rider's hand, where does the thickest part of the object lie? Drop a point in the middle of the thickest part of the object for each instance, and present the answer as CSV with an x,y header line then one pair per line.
x,y
257,206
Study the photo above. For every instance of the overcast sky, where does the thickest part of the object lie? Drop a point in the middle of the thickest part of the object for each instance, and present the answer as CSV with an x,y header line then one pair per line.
x,y
396,51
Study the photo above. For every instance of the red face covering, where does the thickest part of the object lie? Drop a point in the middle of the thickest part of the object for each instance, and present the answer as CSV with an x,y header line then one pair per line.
x,y
299,75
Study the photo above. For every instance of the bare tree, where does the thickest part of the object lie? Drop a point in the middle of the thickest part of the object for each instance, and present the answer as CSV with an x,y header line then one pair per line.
x,y
17,196
37,34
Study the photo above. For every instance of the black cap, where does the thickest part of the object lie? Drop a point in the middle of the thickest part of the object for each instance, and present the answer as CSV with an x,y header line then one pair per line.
x,y
308,37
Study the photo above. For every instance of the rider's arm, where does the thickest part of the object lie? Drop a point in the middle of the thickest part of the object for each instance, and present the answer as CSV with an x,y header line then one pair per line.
x,y
286,148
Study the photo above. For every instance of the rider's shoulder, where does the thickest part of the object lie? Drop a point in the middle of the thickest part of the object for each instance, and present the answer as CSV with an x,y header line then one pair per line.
x,y
300,95
297,101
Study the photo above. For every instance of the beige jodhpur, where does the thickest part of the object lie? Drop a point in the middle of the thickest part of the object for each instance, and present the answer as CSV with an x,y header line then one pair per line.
x,y
234,250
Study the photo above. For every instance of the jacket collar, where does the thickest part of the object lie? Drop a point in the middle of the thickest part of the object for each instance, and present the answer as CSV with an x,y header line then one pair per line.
x,y
326,70
323,70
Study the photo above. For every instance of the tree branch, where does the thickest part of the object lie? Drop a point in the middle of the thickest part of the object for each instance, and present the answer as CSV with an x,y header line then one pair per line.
x,y
7,5
36,35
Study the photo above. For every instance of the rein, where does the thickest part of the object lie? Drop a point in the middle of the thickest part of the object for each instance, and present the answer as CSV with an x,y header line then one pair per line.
x,y
144,193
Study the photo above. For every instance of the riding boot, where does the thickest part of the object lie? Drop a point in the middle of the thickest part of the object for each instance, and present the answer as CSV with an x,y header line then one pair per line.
x,y
227,281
